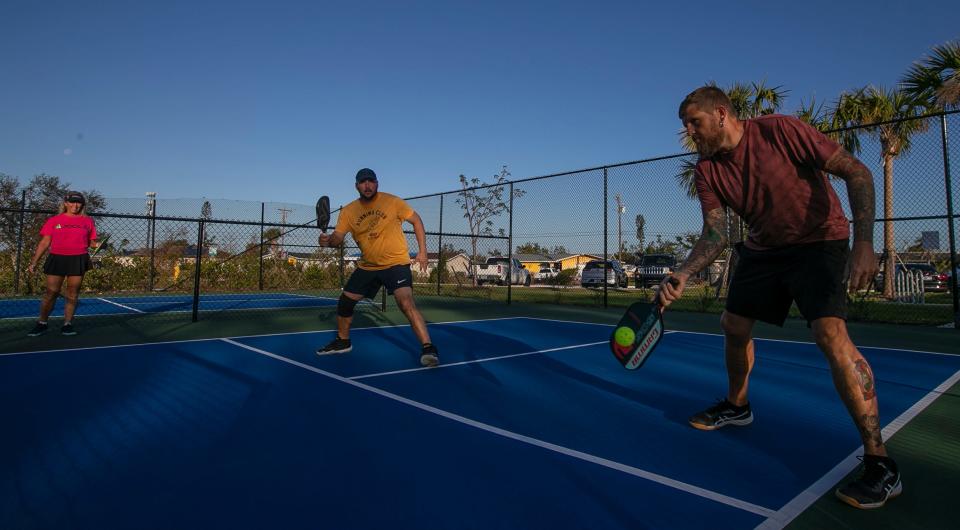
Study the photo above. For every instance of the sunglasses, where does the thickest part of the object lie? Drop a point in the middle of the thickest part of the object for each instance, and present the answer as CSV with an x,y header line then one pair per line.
x,y
74,200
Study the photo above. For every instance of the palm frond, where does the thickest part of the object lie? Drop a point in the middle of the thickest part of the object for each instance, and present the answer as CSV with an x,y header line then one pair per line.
x,y
685,177
935,79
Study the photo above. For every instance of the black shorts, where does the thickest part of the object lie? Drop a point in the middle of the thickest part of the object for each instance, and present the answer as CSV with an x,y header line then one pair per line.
x,y
766,282
60,265
367,283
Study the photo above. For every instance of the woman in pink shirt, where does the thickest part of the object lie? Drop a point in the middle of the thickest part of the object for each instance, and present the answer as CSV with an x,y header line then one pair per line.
x,y
68,235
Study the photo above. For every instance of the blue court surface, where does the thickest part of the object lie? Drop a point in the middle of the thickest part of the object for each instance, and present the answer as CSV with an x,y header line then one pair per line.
x,y
527,424
178,303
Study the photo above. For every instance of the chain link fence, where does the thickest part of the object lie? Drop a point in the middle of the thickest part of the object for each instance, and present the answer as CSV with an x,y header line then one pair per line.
x,y
527,240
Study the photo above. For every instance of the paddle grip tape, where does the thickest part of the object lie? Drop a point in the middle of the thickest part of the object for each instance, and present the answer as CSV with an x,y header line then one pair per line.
x,y
345,306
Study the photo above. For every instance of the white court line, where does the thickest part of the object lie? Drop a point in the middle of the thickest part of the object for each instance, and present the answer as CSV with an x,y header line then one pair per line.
x,y
569,321
805,499
586,457
755,338
129,345
119,305
485,359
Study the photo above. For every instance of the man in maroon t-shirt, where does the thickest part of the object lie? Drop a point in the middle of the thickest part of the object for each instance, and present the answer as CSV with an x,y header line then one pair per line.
x,y
771,172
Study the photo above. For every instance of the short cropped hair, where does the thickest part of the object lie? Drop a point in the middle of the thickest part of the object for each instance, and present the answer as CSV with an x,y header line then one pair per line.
x,y
707,98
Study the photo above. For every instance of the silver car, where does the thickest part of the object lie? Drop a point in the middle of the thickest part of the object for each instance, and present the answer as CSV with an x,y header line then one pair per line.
x,y
598,272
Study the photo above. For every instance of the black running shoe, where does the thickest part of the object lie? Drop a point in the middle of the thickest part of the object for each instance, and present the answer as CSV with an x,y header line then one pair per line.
x,y
430,356
723,413
337,345
67,329
878,483
37,330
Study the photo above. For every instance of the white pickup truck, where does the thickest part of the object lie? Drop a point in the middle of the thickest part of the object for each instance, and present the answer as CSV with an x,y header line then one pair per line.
x,y
497,269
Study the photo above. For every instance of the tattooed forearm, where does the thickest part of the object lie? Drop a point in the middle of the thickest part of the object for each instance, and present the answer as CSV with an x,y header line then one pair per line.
x,y
869,427
711,243
859,189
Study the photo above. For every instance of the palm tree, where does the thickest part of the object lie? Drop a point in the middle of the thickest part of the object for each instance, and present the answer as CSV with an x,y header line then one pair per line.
x,y
750,100
870,105
815,115
935,79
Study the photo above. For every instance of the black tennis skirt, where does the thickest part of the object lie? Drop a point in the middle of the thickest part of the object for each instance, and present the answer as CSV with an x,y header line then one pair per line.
x,y
60,265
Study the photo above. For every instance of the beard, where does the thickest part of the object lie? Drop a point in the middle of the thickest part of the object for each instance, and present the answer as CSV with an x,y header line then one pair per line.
x,y
709,145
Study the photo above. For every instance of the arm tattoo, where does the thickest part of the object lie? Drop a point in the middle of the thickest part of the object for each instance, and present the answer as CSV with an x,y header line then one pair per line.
x,y
711,243
859,189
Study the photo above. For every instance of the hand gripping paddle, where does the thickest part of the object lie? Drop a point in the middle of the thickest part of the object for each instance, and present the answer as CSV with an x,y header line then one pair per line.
x,y
100,246
638,332
323,213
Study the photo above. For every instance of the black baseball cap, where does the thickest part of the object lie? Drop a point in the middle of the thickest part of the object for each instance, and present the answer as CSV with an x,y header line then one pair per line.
x,y
74,196
366,174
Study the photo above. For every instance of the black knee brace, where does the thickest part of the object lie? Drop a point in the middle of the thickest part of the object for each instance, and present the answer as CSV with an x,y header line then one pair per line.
x,y
345,306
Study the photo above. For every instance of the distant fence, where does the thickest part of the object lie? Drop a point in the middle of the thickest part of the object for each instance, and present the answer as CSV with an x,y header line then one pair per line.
x,y
620,211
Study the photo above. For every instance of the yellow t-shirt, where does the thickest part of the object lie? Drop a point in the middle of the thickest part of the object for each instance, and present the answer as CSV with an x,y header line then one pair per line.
x,y
377,227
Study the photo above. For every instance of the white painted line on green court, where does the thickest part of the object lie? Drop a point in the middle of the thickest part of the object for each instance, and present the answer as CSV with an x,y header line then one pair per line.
x,y
805,499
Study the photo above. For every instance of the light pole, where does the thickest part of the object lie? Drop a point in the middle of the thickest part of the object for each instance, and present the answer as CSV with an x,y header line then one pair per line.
x,y
621,209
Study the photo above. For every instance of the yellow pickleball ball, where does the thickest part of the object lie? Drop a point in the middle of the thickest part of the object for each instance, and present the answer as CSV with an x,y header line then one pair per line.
x,y
624,336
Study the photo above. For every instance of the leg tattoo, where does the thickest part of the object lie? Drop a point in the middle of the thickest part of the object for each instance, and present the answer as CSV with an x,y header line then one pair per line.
x,y
865,378
869,427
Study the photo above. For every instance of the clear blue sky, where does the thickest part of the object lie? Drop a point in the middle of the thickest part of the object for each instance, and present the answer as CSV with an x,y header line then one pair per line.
x,y
284,101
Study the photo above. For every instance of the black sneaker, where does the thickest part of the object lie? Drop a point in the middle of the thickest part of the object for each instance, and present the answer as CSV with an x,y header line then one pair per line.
x,y
878,483
37,330
723,413
67,329
337,345
430,356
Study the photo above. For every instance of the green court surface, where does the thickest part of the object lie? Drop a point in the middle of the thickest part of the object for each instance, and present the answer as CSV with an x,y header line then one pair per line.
x,y
927,448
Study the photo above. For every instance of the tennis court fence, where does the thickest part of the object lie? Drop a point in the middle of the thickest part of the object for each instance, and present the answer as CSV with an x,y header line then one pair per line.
x,y
189,258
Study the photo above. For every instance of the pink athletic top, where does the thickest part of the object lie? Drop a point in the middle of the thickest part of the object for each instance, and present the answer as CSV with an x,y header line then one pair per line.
x,y
774,179
70,235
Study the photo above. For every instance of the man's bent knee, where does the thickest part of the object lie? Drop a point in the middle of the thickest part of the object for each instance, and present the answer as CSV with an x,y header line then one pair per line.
x,y
830,334
345,306
736,327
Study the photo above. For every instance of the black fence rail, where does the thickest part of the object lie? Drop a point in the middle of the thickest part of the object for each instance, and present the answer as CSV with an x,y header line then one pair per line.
x,y
526,240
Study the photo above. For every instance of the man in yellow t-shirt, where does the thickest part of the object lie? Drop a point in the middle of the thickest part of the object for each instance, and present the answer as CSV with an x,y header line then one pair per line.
x,y
376,222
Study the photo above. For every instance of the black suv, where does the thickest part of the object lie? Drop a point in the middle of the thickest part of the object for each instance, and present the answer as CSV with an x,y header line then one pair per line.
x,y
653,268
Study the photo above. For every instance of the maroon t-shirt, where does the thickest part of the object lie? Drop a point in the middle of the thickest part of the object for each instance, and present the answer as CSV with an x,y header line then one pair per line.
x,y
774,180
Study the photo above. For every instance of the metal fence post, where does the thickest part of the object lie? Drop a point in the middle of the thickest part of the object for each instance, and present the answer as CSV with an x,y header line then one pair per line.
x,y
440,248
196,272
263,209
153,243
605,258
950,220
510,252
23,211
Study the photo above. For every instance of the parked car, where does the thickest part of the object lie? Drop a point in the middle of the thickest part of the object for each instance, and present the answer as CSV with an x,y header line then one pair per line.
x,y
499,270
546,273
933,281
598,272
653,268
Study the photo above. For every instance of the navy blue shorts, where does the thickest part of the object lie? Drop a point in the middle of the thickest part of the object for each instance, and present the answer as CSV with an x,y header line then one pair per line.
x,y
367,283
766,282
